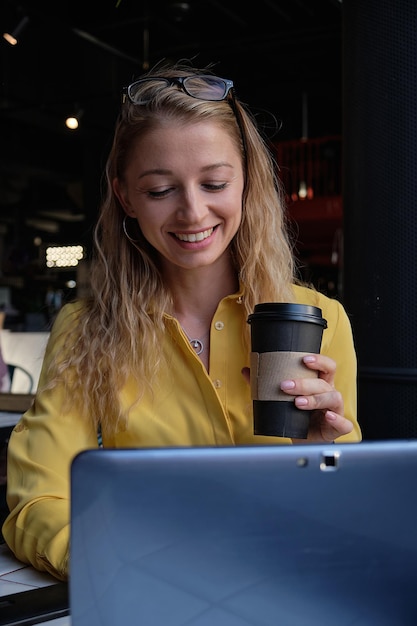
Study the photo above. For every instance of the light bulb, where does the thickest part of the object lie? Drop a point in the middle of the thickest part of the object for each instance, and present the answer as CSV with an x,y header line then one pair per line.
x,y
71,123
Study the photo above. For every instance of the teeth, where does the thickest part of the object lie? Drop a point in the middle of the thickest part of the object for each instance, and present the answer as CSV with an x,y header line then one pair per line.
x,y
193,237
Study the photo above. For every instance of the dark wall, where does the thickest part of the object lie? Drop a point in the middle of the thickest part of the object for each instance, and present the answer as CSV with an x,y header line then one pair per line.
x,y
380,209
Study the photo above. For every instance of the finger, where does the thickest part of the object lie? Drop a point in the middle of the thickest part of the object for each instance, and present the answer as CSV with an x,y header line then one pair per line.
x,y
305,386
327,427
324,365
334,425
328,401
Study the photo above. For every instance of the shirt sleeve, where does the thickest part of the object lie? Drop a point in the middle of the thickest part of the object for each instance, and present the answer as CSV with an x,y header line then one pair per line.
x,y
40,451
338,343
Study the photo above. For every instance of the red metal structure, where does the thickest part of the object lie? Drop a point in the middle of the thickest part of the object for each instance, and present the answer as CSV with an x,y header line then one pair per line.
x,y
310,171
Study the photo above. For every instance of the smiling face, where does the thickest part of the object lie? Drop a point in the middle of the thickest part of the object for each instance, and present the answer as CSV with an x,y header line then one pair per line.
x,y
184,185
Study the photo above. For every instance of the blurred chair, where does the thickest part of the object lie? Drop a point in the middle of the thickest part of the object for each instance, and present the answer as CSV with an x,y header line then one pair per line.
x,y
25,377
22,354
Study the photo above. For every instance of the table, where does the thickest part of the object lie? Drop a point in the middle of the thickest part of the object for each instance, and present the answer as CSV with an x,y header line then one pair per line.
x,y
16,577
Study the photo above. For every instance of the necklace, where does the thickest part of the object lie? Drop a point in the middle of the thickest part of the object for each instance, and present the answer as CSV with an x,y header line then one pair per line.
x,y
197,344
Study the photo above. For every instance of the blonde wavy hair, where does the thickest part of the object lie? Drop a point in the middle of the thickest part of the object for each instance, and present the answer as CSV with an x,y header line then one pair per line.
x,y
118,329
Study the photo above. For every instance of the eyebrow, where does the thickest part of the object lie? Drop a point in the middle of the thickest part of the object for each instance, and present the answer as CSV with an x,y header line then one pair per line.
x,y
206,168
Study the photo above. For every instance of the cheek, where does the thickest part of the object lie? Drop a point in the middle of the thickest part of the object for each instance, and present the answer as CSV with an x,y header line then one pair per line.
x,y
234,209
149,221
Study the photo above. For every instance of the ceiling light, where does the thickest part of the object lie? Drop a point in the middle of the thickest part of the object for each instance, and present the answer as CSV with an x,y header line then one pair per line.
x,y
302,191
73,121
12,37
64,256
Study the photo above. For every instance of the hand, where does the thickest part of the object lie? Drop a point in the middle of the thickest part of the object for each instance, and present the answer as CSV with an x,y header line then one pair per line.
x,y
319,396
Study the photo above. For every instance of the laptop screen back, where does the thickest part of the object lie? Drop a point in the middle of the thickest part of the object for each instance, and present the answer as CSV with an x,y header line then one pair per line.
x,y
248,536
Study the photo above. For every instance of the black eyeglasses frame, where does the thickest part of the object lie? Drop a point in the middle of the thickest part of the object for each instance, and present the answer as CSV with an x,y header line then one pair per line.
x,y
181,81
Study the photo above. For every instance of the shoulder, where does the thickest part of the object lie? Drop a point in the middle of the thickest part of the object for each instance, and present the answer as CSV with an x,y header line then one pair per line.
x,y
67,319
332,310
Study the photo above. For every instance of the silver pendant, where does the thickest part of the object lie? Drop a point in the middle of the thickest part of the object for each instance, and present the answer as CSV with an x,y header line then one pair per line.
x,y
197,345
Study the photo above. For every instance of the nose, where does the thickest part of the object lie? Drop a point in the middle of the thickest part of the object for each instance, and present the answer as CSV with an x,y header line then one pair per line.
x,y
191,206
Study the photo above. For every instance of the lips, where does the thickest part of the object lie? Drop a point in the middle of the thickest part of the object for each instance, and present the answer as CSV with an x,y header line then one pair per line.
x,y
193,237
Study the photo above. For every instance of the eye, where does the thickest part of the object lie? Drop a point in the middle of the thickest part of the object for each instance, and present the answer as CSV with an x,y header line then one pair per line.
x,y
215,186
161,193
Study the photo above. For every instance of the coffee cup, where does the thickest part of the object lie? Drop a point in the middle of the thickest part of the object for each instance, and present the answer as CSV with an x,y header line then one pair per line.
x,y
281,335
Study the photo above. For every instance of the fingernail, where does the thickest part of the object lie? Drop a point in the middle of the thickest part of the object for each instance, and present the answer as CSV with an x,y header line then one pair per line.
x,y
301,401
309,359
331,416
287,384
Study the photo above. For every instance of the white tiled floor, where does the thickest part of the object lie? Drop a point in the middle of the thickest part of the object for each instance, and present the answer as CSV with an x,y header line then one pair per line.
x,y
16,576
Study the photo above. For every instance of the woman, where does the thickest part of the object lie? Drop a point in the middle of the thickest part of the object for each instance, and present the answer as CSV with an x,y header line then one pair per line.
x,y
189,238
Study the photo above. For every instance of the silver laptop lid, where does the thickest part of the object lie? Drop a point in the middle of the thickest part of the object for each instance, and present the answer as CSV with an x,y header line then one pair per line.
x,y
247,536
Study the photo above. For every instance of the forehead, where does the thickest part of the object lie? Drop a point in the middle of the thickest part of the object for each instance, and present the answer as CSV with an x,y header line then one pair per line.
x,y
208,137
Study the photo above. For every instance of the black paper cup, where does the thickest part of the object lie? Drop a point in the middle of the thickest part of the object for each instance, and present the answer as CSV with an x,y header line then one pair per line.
x,y
281,334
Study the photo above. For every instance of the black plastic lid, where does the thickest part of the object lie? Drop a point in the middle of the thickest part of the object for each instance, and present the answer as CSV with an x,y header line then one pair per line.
x,y
288,311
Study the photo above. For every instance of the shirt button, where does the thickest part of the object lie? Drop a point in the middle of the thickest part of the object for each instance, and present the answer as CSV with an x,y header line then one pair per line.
x,y
217,383
219,325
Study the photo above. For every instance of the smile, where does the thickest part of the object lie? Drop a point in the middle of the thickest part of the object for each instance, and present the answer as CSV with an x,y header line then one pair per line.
x,y
193,237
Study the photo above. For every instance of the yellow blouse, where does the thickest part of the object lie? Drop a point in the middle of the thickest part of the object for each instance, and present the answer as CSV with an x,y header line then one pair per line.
x,y
188,407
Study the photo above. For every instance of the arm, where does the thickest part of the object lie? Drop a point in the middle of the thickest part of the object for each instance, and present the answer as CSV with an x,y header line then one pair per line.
x,y
40,452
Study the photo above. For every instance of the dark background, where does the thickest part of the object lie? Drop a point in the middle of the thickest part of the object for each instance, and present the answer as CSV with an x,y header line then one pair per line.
x,y
78,55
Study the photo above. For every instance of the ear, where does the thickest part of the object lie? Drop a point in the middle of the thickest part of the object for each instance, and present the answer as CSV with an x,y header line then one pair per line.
x,y
121,195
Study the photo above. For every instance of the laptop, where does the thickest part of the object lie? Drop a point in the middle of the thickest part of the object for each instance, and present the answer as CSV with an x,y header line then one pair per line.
x,y
35,606
299,535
